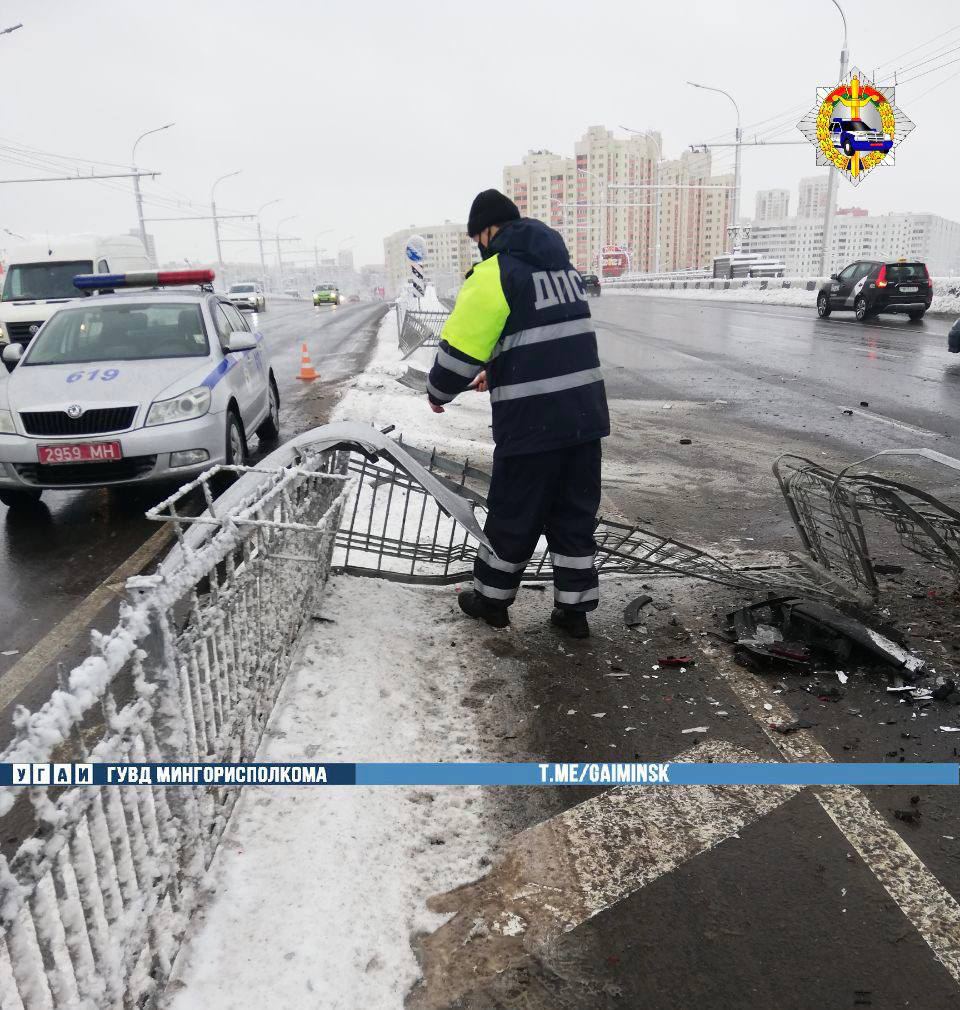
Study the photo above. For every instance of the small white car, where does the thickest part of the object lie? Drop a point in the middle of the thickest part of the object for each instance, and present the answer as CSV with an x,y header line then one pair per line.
x,y
133,387
247,295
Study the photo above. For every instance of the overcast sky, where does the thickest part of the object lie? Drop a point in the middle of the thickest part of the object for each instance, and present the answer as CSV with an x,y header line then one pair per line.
x,y
366,117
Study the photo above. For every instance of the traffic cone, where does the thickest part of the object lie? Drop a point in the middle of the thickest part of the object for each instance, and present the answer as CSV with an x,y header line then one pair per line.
x,y
307,371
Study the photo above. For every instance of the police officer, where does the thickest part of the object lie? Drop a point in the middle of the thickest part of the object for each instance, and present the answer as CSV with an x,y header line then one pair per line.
x,y
521,328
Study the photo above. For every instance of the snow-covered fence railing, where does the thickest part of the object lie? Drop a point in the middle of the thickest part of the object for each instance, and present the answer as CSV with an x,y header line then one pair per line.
x,y
420,329
713,283
94,905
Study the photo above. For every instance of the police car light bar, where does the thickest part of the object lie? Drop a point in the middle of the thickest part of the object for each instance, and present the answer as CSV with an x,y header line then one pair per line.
x,y
143,279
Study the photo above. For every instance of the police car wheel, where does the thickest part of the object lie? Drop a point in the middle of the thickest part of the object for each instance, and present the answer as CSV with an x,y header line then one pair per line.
x,y
17,499
236,444
848,148
269,430
860,309
823,306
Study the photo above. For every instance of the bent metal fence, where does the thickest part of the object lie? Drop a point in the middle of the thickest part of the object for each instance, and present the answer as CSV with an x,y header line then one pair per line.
x,y
419,329
861,525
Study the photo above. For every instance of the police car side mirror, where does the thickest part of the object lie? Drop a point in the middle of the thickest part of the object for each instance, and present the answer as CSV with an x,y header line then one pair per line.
x,y
834,277
240,340
12,353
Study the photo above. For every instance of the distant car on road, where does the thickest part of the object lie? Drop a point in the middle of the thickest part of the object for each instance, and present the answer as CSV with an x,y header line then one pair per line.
x,y
869,287
247,296
850,135
591,285
326,294
353,299
292,293
133,387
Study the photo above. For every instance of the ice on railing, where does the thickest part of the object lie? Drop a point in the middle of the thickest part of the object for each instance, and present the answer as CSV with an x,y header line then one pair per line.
x,y
93,906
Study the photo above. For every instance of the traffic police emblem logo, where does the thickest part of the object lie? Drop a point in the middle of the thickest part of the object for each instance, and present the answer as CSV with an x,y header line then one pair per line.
x,y
74,410
855,126
32,329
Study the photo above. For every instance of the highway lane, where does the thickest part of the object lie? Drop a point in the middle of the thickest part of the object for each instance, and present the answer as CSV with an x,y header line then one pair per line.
x,y
53,561
746,383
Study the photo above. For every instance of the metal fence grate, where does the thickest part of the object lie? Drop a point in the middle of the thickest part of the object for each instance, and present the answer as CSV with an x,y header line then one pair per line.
x,y
395,529
849,521
93,907
420,329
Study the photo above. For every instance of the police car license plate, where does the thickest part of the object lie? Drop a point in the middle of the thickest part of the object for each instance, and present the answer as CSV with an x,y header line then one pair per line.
x,y
908,291
85,452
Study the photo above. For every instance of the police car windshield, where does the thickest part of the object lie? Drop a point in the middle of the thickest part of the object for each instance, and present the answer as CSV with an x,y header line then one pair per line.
x,y
34,281
119,333
856,124
239,289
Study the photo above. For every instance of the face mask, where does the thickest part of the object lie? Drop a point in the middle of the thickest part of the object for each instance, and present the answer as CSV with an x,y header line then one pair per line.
x,y
485,252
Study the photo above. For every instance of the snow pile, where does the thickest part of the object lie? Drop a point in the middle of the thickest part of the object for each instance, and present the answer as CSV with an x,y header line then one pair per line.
x,y
407,300
319,890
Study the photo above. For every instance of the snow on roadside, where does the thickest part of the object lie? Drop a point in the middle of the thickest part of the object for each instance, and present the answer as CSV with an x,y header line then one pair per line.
x,y
945,304
315,892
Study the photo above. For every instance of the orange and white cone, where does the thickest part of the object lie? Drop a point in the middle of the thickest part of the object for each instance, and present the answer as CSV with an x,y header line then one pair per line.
x,y
307,371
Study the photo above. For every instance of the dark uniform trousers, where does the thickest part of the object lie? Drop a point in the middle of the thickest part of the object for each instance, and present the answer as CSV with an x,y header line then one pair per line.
x,y
556,494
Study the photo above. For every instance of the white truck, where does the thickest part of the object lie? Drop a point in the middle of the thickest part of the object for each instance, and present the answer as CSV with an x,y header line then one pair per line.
x,y
38,278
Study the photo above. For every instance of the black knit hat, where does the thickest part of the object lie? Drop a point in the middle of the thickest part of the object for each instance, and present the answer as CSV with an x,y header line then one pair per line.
x,y
490,207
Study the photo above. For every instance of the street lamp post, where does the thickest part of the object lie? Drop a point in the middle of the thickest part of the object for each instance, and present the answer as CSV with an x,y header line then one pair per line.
x,y
603,217
735,210
136,182
213,211
832,179
263,261
650,135
279,253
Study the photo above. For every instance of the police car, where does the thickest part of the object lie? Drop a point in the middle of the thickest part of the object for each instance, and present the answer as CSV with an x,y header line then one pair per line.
x,y
149,382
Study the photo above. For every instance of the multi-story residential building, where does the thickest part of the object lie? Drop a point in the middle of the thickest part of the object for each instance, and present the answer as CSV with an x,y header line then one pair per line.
x,y
813,196
772,204
797,241
608,191
450,254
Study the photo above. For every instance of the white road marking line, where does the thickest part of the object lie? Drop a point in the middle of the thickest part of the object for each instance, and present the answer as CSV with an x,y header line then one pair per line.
x,y
37,659
562,872
929,906
883,419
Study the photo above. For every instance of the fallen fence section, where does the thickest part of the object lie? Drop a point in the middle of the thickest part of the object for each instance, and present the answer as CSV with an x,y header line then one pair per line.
x,y
863,525
94,906
419,329
397,529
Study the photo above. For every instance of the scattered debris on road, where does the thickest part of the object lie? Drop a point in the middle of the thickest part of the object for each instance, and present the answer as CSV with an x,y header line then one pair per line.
x,y
632,615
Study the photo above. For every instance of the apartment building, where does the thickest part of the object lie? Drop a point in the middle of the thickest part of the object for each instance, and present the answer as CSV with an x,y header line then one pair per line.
x,y
608,192
813,196
772,204
797,241
450,254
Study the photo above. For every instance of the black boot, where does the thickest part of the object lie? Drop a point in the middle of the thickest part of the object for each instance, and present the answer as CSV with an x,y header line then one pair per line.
x,y
475,605
573,622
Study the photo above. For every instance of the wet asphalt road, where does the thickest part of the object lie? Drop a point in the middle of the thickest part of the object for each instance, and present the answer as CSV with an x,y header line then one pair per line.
x,y
790,911
746,383
51,560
